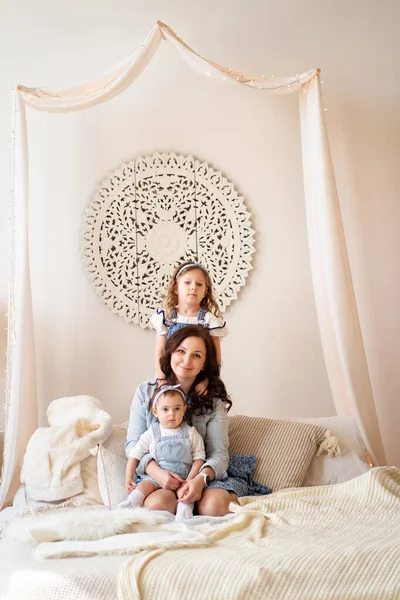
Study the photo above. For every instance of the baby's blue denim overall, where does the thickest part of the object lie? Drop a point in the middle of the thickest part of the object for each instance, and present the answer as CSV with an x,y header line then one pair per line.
x,y
173,452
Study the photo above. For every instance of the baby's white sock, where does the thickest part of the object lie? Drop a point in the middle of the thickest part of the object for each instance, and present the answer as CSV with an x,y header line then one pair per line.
x,y
184,511
135,498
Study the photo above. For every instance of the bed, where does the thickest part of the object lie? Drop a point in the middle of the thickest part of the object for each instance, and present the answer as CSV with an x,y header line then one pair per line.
x,y
330,529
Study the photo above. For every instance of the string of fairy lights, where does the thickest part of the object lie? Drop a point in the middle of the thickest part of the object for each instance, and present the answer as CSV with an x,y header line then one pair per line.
x,y
256,82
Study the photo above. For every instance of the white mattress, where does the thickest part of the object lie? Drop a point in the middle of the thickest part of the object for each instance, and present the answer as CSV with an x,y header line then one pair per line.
x,y
24,577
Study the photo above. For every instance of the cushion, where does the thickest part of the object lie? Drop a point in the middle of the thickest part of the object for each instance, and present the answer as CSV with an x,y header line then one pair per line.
x,y
116,441
111,477
111,466
91,492
95,482
353,458
284,449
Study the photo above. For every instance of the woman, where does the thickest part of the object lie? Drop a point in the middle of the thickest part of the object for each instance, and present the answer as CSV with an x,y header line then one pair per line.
x,y
189,357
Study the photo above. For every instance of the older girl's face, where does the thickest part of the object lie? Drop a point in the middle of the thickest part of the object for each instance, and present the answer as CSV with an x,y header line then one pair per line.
x,y
191,287
188,359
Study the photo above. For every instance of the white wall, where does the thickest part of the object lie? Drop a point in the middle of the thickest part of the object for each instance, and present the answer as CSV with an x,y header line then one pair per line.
x,y
273,365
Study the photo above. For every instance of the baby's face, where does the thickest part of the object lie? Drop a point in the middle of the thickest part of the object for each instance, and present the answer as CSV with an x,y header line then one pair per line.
x,y
170,409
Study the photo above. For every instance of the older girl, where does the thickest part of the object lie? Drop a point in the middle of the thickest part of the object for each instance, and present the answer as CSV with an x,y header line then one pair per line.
x,y
189,300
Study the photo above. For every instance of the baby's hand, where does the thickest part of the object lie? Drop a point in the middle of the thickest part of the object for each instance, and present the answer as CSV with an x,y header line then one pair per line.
x,y
129,485
201,387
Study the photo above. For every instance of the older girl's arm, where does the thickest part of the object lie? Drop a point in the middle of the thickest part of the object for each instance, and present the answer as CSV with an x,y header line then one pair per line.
x,y
159,351
217,343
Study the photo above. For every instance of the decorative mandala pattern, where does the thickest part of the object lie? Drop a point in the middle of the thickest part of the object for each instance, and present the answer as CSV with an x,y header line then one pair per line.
x,y
153,213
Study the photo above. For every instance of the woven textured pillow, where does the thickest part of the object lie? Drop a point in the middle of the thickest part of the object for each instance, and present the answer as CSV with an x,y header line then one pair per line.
x,y
116,441
284,449
111,467
111,477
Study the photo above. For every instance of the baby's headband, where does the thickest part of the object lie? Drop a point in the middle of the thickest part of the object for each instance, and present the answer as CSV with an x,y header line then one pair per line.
x,y
193,265
167,388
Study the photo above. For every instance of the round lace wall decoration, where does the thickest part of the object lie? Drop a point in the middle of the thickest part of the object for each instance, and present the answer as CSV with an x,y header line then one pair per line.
x,y
153,213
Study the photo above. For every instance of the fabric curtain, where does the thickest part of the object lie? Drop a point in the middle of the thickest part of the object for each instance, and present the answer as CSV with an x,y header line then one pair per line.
x,y
21,412
276,85
99,90
333,288
21,403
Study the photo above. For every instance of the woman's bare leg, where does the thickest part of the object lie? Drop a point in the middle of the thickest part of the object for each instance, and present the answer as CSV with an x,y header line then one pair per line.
x,y
162,500
215,502
146,487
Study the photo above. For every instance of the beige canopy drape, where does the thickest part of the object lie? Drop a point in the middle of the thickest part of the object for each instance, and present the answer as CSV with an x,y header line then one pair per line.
x,y
333,287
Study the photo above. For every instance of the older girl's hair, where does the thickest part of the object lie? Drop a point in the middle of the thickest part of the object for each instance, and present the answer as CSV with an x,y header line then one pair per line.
x,y
198,405
171,298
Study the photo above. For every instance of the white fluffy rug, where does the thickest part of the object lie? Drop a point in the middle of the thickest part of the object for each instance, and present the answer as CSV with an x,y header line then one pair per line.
x,y
172,535
89,531
79,524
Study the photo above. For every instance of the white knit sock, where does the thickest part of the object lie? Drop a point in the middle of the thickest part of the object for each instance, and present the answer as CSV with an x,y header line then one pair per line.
x,y
135,498
184,511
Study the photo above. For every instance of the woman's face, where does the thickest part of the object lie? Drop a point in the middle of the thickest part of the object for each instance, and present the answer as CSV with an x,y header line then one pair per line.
x,y
188,359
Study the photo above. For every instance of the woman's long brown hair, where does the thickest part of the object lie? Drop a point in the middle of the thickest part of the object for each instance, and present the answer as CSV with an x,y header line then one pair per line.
x,y
198,405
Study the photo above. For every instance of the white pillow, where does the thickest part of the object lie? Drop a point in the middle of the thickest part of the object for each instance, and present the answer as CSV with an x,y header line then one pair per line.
x,y
91,493
95,481
116,441
111,477
353,458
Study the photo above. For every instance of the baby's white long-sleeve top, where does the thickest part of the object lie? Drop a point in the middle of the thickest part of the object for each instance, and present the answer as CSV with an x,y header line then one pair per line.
x,y
147,443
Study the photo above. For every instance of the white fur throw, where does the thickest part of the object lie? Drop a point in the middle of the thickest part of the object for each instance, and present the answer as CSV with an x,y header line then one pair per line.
x,y
89,523
52,463
88,531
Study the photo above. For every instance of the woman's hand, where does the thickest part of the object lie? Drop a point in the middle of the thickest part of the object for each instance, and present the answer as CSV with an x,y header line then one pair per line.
x,y
181,490
191,490
166,479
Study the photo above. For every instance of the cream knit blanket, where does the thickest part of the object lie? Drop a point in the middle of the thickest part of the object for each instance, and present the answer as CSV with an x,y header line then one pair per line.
x,y
52,463
340,541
